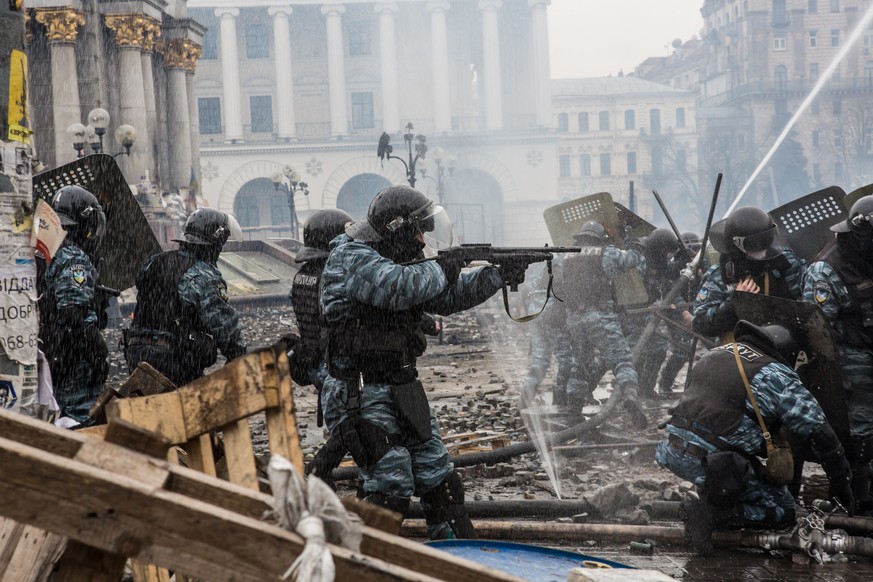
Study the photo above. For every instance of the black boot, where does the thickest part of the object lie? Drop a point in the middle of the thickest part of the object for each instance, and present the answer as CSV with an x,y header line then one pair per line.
x,y
699,525
328,458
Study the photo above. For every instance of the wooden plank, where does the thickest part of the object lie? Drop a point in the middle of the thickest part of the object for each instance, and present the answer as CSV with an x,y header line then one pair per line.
x,y
239,454
236,391
34,557
29,431
135,438
374,516
200,456
143,572
161,414
281,421
119,515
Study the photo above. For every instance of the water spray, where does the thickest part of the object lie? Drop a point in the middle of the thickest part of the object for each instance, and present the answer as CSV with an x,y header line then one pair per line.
x,y
850,42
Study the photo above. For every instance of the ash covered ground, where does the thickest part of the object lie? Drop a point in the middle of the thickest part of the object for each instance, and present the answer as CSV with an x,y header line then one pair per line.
x,y
473,379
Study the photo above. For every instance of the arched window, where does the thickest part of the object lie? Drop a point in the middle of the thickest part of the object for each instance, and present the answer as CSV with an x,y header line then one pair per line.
x,y
630,119
780,78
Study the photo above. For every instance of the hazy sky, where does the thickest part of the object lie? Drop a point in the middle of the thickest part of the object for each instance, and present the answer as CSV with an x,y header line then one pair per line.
x,y
593,38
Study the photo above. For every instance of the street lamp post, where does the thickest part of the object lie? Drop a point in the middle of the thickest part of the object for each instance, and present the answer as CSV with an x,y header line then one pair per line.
x,y
445,167
92,134
289,181
98,119
416,142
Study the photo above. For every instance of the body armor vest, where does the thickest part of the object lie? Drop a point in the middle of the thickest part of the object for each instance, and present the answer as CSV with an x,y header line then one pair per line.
x,y
158,305
376,341
304,299
582,282
715,402
857,276
733,271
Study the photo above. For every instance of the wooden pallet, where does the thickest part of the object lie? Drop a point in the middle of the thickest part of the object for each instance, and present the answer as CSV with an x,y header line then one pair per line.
x,y
115,503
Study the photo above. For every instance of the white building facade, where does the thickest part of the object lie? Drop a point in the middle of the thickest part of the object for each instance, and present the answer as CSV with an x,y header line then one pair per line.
x,y
313,84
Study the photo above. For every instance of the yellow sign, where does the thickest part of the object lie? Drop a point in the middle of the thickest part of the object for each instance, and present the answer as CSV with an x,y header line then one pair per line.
x,y
19,124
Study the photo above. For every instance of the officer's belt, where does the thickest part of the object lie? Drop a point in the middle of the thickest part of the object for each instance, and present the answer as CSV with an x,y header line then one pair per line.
x,y
150,340
401,375
682,446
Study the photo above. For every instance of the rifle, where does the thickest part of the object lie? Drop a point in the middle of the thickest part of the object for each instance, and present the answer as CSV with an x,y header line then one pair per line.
x,y
513,262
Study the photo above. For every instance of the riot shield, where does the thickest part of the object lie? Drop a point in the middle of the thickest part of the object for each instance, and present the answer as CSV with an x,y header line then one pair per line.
x,y
853,196
564,220
804,224
821,372
129,239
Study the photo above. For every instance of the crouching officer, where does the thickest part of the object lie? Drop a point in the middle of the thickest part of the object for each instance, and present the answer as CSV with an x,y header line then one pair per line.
x,y
182,316
68,304
372,306
714,437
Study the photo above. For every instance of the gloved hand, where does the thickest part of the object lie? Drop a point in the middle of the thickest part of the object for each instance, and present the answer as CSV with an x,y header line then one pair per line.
x,y
451,266
840,488
683,256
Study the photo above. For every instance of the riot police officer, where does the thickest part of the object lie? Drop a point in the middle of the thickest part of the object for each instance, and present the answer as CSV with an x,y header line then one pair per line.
x,y
68,303
749,262
372,304
840,281
586,286
713,437
182,316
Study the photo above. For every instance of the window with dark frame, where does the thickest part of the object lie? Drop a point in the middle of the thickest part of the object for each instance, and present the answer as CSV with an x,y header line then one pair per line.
x,y
605,164
680,117
564,166
630,119
257,41
261,108
604,121
583,121
359,37
563,122
209,109
632,163
585,165
362,111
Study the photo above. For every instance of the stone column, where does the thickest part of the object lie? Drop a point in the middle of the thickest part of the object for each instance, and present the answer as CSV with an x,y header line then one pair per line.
x,y
542,76
194,122
232,106
388,54
284,77
491,52
151,34
62,26
130,32
180,57
339,123
442,115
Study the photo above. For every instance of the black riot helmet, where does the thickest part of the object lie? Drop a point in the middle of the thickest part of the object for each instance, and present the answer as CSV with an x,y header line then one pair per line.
x,y
210,227
81,216
319,229
748,232
860,221
660,245
401,222
775,340
592,232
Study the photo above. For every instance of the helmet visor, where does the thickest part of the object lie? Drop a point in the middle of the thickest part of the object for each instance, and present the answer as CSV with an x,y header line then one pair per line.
x,y
755,246
434,223
233,226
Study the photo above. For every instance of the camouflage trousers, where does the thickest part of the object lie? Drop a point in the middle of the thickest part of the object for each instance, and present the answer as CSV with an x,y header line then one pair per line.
x,y
404,471
77,393
761,501
857,368
544,343
596,331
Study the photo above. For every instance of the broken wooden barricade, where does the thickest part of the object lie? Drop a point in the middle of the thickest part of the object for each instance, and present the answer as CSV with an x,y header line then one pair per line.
x,y
115,503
